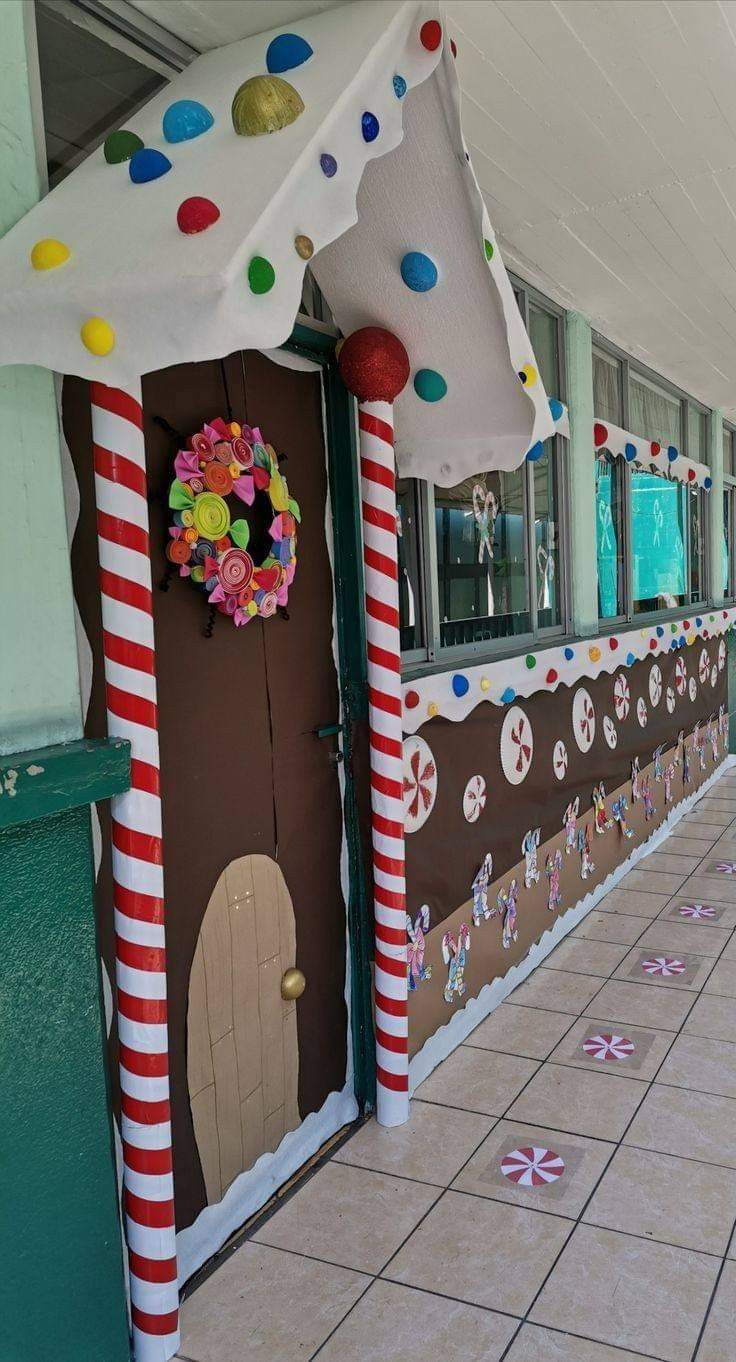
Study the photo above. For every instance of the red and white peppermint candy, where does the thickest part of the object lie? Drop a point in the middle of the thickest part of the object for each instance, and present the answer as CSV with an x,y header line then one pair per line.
x,y
609,731
680,676
517,745
696,911
721,654
726,867
607,1046
641,711
621,697
703,667
665,966
583,719
420,783
692,687
474,799
559,759
670,700
655,685
532,1166
714,675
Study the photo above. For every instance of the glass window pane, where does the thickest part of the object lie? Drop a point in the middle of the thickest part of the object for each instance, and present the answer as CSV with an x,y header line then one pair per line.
x,y
543,336
609,482
726,545
606,387
547,538
727,450
481,558
407,527
653,412
87,87
658,530
697,437
697,547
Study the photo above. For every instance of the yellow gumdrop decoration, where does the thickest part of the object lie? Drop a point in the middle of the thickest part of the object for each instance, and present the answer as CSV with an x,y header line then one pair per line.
x,y
691,638
98,336
432,709
594,654
49,254
485,683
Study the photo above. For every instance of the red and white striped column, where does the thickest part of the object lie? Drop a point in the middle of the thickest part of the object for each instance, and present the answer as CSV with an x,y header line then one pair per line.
x,y
140,948
375,367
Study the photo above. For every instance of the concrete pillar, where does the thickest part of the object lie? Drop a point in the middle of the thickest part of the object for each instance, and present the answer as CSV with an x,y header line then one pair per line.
x,y
715,506
579,368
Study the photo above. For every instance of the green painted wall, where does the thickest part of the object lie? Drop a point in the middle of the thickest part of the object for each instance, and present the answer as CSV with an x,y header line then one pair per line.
x,y
39,681
579,375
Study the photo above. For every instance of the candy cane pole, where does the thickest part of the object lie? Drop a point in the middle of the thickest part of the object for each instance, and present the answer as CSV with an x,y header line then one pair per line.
x,y
140,954
375,366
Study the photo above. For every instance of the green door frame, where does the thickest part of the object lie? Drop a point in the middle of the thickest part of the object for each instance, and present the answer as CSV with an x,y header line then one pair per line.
x,y
344,485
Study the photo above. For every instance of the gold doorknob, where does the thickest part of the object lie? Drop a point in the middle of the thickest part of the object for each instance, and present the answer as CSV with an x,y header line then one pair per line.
x,y
293,985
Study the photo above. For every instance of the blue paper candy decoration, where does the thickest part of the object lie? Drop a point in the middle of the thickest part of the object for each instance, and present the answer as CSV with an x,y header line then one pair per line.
x,y
369,127
285,52
148,164
508,695
399,87
671,453
556,408
429,385
535,453
185,119
418,271
460,685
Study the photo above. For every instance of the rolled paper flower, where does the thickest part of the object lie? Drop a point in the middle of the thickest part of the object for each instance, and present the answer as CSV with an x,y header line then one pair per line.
x,y
261,478
198,573
236,570
217,479
187,517
178,551
279,493
230,605
243,488
211,515
201,444
186,465
190,535
223,544
243,452
203,550
235,429
288,523
224,452
196,484
260,454
212,583
245,596
267,605
234,470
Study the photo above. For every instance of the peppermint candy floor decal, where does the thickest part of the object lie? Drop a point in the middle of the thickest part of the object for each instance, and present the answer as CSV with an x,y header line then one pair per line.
x,y
655,685
703,666
583,719
726,867
420,783
517,745
680,676
641,712
607,1047
609,731
621,697
559,759
670,700
721,654
692,687
474,799
664,966
696,912
532,1166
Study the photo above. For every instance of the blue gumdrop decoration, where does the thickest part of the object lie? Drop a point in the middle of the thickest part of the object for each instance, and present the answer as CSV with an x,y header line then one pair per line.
x,y
508,695
285,52
460,685
681,640
147,164
660,631
630,659
536,452
707,483
418,271
629,451
671,453
370,127
429,385
699,621
185,119
569,654
399,87
556,408
328,165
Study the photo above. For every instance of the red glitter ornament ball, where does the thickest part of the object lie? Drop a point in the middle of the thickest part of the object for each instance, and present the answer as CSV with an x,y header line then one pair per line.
x,y
196,215
655,447
430,35
600,434
373,364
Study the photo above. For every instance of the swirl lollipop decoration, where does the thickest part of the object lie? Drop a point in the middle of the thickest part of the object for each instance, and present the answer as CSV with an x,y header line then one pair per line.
x,y
223,467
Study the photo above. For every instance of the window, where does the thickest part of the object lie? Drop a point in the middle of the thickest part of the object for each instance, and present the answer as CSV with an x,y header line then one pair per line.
x,y
728,544
661,519
481,564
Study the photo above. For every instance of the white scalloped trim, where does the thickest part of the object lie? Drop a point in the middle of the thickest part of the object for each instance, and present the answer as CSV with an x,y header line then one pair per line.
x,y
679,468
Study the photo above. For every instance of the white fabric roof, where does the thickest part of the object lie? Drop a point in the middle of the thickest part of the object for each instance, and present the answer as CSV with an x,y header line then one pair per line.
x,y
172,297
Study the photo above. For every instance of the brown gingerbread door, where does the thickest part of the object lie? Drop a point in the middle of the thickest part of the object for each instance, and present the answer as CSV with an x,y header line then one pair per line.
x,y
252,817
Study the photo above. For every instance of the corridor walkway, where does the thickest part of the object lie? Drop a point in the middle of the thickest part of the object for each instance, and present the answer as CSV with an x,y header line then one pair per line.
x,y
565,1190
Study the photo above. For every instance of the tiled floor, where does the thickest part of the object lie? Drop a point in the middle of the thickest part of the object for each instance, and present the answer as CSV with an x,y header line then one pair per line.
x,y
565,1189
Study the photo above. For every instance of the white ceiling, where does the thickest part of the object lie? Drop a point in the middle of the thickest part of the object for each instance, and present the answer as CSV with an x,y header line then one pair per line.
x,y
603,133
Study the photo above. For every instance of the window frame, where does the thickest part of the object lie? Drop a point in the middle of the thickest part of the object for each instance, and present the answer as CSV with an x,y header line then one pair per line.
x,y
729,489
433,654
631,617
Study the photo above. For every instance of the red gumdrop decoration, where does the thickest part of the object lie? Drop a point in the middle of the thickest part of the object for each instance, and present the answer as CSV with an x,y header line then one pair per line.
x,y
411,699
196,215
551,676
430,35
655,447
652,643
600,434
686,624
613,644
453,47
691,475
373,364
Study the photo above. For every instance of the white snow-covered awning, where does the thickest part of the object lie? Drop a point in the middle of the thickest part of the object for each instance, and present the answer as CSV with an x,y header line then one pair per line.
x,y
366,167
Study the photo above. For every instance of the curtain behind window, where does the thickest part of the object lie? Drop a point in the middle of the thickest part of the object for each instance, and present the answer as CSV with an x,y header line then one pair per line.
x,y
653,413
606,387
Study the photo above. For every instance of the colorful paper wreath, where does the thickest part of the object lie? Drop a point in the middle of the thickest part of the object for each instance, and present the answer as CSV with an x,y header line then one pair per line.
x,y
223,465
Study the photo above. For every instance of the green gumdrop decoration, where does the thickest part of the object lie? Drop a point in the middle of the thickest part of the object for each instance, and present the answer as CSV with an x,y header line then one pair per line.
x,y
530,660
240,533
294,508
180,497
119,146
261,275
261,455
488,248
